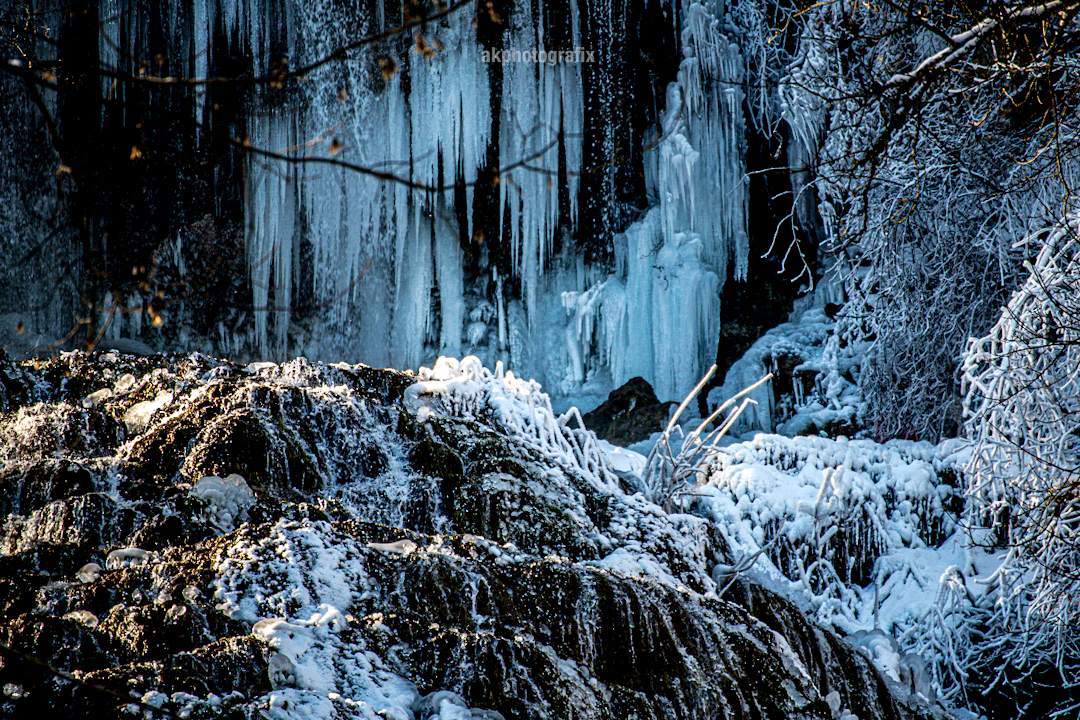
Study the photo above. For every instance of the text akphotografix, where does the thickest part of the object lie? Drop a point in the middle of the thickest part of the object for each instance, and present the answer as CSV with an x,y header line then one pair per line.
x,y
551,57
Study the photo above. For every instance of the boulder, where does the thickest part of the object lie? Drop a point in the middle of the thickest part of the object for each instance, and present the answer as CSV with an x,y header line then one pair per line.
x,y
630,414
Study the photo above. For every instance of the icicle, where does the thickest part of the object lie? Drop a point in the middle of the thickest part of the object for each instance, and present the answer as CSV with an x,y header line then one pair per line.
x,y
701,161
501,301
540,100
662,326
642,239
451,284
413,295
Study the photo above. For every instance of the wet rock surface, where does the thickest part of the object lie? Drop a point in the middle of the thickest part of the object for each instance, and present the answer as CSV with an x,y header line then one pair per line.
x,y
630,414
387,555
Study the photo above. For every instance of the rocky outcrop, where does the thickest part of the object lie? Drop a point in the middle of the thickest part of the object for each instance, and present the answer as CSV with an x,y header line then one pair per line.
x,y
630,414
377,561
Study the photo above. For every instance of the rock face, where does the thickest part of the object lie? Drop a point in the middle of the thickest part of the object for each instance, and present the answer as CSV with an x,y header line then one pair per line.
x,y
629,415
394,550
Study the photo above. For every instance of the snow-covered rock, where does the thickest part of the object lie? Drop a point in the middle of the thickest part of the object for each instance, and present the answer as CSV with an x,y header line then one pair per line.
x,y
521,562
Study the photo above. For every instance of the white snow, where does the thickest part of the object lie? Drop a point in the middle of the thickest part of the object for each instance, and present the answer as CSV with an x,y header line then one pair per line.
x,y
89,572
97,397
398,547
128,557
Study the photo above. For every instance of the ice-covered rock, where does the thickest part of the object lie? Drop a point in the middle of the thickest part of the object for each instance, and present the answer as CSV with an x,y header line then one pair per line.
x,y
83,617
127,557
915,677
138,416
125,384
398,547
96,397
281,671
227,498
535,560
89,572
432,704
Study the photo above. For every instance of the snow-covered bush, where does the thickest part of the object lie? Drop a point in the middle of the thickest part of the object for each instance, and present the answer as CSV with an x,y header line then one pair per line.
x,y
468,390
851,527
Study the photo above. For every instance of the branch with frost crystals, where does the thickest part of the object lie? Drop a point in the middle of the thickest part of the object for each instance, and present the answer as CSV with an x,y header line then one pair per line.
x,y
665,471
963,43
1022,404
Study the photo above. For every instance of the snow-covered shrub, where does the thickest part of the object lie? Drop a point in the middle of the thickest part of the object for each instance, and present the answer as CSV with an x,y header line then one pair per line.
x,y
949,630
468,390
846,525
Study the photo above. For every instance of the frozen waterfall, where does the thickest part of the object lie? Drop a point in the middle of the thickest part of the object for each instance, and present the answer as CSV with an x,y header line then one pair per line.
x,y
519,187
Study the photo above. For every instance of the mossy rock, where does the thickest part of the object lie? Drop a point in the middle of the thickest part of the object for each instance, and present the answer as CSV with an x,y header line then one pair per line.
x,y
161,451
93,520
247,441
436,459
16,387
503,509
26,489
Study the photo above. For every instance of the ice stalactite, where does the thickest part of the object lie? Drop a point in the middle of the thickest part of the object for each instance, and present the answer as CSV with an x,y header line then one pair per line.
x,y
641,241
660,325
583,309
370,241
659,315
345,264
271,232
542,110
686,315
413,299
450,117
451,285
702,167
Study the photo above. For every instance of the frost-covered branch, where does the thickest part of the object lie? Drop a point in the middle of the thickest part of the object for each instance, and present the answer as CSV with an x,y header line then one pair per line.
x,y
666,472
964,43
1022,404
